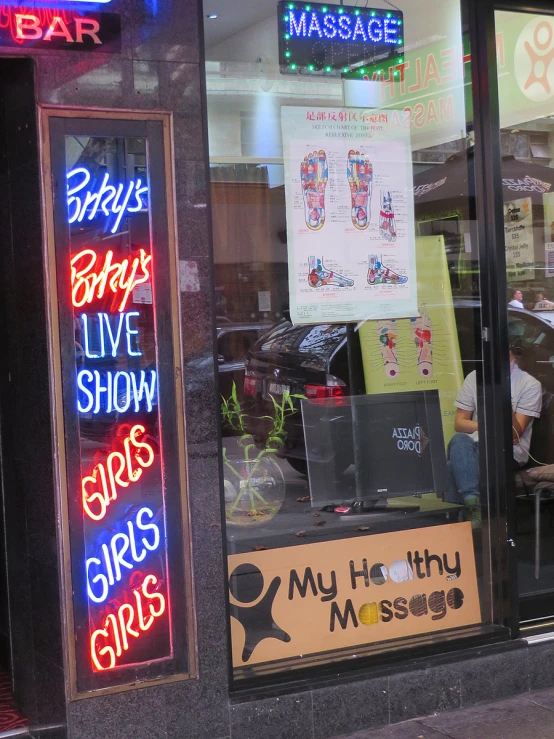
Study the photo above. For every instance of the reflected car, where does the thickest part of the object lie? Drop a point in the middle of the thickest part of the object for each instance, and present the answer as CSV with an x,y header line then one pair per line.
x,y
234,341
312,361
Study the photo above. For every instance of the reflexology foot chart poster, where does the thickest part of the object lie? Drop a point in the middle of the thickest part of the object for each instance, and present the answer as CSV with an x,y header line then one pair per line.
x,y
350,215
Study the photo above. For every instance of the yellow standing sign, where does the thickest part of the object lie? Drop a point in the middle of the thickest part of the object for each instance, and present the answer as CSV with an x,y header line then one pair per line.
x,y
407,354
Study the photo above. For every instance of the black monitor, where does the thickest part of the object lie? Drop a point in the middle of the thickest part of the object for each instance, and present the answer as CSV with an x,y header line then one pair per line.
x,y
400,441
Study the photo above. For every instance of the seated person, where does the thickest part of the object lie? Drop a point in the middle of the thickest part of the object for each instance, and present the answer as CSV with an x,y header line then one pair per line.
x,y
463,449
542,303
517,299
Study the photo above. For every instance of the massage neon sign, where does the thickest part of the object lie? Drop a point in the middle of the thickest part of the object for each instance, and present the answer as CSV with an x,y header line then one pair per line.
x,y
330,40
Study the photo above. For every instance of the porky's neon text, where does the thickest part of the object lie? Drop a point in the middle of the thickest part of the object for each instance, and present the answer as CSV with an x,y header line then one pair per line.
x,y
92,277
86,200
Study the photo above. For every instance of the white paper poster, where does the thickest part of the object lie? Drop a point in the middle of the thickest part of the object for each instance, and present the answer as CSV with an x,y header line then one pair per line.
x,y
549,259
264,301
350,215
518,232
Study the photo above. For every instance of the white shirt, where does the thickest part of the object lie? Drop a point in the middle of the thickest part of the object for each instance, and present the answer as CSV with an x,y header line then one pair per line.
x,y
516,303
526,399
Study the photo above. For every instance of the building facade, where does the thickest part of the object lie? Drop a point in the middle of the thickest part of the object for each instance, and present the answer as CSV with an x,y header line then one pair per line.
x,y
276,388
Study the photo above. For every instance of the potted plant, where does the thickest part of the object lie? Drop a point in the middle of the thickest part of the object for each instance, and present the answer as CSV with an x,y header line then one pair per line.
x,y
253,479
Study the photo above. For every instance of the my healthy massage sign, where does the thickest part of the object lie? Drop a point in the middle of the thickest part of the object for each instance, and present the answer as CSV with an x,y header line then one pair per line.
x,y
351,592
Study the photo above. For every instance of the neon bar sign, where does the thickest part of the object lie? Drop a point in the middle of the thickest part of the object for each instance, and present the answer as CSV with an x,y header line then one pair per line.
x,y
331,39
59,29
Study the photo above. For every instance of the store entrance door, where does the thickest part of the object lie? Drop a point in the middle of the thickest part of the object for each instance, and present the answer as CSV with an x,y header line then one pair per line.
x,y
19,237
525,64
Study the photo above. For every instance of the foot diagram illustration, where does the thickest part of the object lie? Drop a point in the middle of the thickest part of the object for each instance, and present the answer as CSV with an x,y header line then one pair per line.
x,y
421,329
314,173
379,274
388,335
387,221
360,178
319,275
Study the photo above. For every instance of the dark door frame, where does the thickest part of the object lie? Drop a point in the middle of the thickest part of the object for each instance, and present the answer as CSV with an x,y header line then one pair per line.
x,y
490,227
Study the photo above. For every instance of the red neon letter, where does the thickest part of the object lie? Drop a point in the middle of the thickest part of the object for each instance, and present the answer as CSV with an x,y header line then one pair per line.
x,y
27,27
126,626
141,445
101,652
91,497
82,30
152,579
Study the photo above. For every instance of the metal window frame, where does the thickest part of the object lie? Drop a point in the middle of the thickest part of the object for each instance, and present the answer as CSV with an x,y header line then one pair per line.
x,y
494,288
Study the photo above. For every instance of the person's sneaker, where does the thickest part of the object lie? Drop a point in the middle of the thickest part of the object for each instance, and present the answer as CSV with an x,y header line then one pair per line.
x,y
473,508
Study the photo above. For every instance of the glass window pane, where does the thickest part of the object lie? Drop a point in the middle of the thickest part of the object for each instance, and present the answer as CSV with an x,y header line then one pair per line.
x,y
346,267
524,48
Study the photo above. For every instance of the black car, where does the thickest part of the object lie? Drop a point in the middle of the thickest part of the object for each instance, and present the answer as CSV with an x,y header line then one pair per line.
x,y
311,361
234,340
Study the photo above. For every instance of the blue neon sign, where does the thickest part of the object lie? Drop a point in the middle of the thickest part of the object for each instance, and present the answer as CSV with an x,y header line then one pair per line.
x,y
345,26
88,197
317,38
121,553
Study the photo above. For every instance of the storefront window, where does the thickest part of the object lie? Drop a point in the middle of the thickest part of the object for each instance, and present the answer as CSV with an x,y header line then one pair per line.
x,y
524,53
348,322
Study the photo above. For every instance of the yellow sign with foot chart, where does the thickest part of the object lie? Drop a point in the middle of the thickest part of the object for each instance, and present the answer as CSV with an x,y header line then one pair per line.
x,y
401,355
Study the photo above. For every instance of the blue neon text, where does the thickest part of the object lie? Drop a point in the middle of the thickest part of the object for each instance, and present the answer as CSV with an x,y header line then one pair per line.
x,y
107,569
115,391
100,321
346,26
86,196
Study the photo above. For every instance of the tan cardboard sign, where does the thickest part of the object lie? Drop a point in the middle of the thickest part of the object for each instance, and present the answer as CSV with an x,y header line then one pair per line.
x,y
349,592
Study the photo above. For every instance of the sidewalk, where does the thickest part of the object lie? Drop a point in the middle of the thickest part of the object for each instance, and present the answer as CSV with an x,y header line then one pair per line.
x,y
527,716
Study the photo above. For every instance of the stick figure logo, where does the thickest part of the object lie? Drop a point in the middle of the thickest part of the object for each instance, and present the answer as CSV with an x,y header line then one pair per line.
x,y
533,58
252,610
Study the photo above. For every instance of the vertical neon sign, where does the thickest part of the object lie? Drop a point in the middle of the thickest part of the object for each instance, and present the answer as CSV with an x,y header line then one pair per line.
x,y
118,404
123,558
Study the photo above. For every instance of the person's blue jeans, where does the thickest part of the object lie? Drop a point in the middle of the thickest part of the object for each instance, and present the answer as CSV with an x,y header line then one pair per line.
x,y
463,465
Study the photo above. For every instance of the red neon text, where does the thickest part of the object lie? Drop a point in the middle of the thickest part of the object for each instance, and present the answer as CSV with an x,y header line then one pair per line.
x,y
128,620
89,282
100,488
